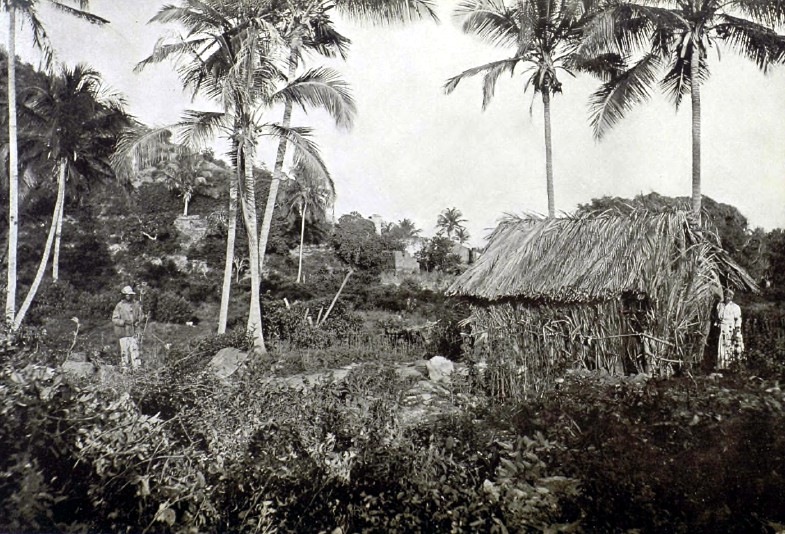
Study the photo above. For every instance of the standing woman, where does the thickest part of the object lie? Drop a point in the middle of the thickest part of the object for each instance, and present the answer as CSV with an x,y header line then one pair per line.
x,y
731,344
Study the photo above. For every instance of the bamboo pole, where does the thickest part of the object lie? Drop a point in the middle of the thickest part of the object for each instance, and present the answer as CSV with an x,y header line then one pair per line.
x,y
338,294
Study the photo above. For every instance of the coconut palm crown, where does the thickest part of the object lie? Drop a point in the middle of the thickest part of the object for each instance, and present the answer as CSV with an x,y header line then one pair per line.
x,y
669,42
544,36
450,221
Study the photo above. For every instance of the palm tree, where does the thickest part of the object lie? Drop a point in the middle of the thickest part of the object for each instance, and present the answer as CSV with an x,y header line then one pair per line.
x,y
544,36
407,229
461,235
673,39
183,173
72,121
218,57
314,191
26,10
218,47
230,53
449,221
209,60
72,125
305,26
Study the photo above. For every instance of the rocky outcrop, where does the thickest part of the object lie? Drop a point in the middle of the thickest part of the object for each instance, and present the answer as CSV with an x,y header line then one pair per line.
x,y
227,361
192,228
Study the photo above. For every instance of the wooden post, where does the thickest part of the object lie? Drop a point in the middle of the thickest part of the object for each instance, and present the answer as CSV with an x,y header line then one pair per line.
x,y
335,298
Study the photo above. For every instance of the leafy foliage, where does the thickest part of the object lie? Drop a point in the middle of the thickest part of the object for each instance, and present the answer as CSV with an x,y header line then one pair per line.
x,y
297,324
356,242
593,453
168,307
437,254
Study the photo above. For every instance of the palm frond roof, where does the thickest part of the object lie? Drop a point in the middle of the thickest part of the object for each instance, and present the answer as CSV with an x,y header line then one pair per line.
x,y
592,257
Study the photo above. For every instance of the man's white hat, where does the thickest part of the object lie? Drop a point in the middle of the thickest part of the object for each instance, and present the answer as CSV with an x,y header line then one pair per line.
x,y
128,290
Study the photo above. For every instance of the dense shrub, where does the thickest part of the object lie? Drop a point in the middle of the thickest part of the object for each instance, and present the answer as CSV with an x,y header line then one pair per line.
x,y
76,457
161,275
764,336
596,454
297,323
168,307
65,300
187,359
446,338
97,305
85,260
680,455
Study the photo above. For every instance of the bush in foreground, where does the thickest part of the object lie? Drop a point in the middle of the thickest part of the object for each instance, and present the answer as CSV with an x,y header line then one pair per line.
x,y
186,451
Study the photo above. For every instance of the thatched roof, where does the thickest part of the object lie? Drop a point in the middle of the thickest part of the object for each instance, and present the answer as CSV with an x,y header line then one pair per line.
x,y
590,258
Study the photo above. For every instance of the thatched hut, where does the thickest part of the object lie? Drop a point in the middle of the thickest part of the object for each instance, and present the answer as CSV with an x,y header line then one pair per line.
x,y
629,293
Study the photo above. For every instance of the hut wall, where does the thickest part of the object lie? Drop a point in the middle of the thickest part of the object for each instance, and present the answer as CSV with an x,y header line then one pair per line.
x,y
527,345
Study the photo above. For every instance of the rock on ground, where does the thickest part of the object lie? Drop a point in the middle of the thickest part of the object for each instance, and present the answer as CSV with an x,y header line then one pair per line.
x,y
440,369
79,369
226,362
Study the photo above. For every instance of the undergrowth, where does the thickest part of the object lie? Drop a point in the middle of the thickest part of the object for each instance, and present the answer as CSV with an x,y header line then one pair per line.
x,y
180,450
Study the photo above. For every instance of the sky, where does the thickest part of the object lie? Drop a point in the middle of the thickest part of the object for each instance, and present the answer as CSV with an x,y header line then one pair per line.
x,y
414,151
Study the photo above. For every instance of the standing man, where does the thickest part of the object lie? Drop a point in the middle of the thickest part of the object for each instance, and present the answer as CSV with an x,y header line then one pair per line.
x,y
730,343
126,318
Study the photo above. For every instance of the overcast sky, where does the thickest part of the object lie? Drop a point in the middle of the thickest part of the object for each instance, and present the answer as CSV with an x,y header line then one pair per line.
x,y
415,151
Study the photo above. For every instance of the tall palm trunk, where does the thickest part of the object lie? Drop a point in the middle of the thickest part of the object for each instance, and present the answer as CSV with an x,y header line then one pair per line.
x,y
13,172
267,218
546,104
59,229
696,130
302,240
231,235
249,216
39,275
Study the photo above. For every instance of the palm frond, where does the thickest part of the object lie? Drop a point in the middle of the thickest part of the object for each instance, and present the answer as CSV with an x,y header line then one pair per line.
x,y
40,37
321,88
384,12
315,188
170,46
196,16
627,27
758,43
768,12
306,151
677,82
197,128
489,20
617,96
78,13
605,66
327,41
140,147
491,72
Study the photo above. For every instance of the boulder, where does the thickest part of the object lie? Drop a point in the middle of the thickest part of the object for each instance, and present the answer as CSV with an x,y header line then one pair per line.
x,y
79,369
77,357
192,228
440,369
227,361
409,371
110,374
